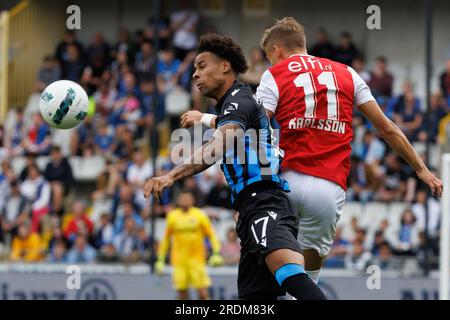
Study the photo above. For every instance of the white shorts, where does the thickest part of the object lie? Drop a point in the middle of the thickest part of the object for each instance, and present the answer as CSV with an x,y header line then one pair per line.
x,y
319,203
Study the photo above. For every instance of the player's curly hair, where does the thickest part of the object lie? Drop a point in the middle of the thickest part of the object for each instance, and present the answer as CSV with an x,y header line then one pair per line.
x,y
225,48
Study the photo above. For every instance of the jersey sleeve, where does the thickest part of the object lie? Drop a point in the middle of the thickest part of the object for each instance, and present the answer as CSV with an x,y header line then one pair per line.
x,y
267,92
362,90
235,111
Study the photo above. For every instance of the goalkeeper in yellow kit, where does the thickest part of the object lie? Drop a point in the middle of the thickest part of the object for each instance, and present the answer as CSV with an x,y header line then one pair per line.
x,y
186,229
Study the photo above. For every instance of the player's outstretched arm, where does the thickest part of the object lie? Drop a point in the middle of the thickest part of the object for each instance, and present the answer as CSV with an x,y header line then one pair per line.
x,y
200,160
189,118
400,144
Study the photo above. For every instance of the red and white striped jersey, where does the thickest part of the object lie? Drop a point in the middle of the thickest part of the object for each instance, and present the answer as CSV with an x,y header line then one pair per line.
x,y
312,99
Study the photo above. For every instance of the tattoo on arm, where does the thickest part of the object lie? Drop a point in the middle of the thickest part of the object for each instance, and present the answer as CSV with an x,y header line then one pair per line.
x,y
207,155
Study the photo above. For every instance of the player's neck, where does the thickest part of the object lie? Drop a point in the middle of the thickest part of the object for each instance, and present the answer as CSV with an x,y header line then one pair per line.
x,y
224,88
296,52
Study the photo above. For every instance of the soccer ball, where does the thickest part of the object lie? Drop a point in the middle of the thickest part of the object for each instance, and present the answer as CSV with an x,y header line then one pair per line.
x,y
64,104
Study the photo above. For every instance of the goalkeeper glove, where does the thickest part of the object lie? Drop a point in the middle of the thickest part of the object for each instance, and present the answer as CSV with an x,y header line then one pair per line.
x,y
159,266
215,260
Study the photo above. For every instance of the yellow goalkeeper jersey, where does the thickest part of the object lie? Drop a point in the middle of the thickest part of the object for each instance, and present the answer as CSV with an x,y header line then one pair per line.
x,y
186,233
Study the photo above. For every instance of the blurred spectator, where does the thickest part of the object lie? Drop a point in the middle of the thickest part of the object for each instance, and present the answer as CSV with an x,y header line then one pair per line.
x,y
381,81
127,85
104,98
379,241
184,23
15,137
14,211
124,194
124,44
145,60
385,255
192,185
73,65
323,47
434,213
445,82
231,249
167,70
257,65
58,253
88,82
357,258
138,172
407,113
62,48
338,252
128,211
104,233
219,196
428,249
430,124
49,72
59,173
126,241
38,192
150,108
26,245
346,51
372,154
57,237
407,235
7,177
119,67
394,180
38,139
78,220
143,244
162,28
82,137
124,148
30,159
358,65
104,141
357,182
97,54
81,251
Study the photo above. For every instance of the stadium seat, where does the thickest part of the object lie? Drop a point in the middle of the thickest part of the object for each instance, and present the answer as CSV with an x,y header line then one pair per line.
x,y
60,138
87,169
42,162
99,207
351,209
373,214
395,212
18,164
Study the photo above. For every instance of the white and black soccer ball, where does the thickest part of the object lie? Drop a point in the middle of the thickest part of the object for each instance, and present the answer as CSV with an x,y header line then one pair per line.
x,y
64,104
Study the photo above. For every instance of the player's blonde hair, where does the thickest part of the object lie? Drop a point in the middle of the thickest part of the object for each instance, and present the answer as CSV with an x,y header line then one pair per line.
x,y
287,32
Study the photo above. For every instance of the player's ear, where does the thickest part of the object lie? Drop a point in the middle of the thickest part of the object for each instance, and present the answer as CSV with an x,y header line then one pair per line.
x,y
226,66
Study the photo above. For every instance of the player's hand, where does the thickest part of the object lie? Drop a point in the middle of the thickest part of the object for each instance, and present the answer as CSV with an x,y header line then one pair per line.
x,y
215,260
189,118
159,266
156,186
432,181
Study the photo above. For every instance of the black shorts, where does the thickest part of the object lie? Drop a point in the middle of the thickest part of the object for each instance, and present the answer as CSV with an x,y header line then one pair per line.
x,y
267,222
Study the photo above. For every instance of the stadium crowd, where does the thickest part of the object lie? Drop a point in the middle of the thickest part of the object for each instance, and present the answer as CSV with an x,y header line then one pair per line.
x,y
138,87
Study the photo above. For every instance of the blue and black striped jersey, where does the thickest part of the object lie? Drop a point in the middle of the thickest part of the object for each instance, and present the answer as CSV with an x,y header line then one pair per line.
x,y
254,156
